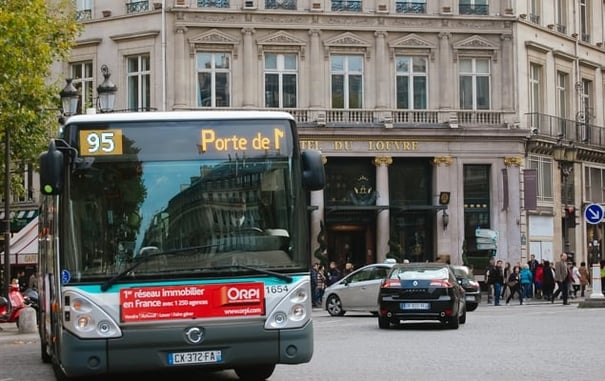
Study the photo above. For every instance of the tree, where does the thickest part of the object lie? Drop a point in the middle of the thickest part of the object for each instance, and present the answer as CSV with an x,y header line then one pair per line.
x,y
34,34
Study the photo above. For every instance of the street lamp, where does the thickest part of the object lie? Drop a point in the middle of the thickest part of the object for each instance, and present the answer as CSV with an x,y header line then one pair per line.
x,y
107,91
566,155
69,98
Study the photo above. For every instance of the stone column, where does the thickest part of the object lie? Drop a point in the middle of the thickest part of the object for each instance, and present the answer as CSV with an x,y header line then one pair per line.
x,y
248,66
382,82
383,229
445,82
449,240
316,64
507,75
180,89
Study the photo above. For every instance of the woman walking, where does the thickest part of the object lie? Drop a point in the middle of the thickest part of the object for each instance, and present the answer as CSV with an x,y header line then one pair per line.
x,y
514,285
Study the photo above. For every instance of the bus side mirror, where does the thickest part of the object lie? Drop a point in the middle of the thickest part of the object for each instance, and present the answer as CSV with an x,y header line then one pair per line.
x,y
314,173
51,170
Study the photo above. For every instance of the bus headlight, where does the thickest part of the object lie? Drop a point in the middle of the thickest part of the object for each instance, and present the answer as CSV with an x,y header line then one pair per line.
x,y
86,319
293,311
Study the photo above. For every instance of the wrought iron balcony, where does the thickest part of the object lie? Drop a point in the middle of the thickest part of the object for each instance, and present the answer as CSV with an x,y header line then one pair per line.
x,y
567,129
137,7
213,3
346,6
534,18
467,9
561,28
84,14
407,7
280,4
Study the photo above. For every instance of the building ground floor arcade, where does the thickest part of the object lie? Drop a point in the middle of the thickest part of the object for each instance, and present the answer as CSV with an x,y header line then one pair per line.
x,y
418,197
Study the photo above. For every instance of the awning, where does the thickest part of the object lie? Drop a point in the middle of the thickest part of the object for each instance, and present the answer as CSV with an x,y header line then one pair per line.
x,y
26,240
20,217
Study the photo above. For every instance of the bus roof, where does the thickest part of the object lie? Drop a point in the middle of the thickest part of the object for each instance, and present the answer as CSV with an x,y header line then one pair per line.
x,y
178,115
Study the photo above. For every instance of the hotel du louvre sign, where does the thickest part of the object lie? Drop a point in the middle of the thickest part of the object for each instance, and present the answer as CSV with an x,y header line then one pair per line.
x,y
365,145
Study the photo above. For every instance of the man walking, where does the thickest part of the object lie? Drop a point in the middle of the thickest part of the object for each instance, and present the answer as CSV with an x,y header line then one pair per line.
x,y
496,277
562,279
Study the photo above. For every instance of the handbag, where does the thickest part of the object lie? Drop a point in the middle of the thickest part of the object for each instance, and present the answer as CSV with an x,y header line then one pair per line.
x,y
512,283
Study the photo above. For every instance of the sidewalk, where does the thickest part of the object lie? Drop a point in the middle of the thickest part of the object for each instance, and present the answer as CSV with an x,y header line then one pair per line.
x,y
533,301
9,334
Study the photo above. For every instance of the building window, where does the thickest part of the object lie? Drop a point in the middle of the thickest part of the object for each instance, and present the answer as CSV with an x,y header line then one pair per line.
x,y
346,6
213,79
595,184
534,11
83,80
561,15
280,80
213,3
585,20
562,94
410,6
544,172
473,7
139,83
474,83
347,81
535,92
412,83
83,10
280,4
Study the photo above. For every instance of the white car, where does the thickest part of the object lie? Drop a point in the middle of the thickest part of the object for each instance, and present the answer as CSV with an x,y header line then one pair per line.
x,y
357,291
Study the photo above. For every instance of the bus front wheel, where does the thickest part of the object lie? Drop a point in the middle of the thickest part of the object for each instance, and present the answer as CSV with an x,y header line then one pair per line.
x,y
255,373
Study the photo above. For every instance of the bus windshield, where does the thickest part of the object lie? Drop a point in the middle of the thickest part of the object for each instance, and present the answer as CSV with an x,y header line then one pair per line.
x,y
209,200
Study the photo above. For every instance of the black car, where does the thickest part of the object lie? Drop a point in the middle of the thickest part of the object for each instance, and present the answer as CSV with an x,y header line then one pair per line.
x,y
421,291
470,285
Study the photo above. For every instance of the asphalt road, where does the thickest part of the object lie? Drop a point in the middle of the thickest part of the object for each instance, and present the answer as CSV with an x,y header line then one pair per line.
x,y
529,342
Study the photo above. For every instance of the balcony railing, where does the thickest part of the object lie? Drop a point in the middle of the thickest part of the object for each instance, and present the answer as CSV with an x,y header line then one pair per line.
x,y
84,14
561,28
467,9
479,117
346,6
585,37
137,7
280,4
407,7
572,130
213,3
534,18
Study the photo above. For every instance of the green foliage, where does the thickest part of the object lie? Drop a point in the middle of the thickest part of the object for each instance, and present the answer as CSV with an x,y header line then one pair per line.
x,y
34,34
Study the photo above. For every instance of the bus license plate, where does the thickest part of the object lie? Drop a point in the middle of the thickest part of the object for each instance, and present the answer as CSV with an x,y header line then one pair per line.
x,y
202,357
415,306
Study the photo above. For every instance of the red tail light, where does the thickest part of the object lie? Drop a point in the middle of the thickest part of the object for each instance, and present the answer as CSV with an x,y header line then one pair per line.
x,y
390,283
440,283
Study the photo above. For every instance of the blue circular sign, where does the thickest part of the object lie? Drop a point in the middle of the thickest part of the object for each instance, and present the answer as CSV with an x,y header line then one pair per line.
x,y
593,213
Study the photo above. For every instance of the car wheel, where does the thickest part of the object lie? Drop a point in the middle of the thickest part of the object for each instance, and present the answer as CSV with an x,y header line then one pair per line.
x,y
471,306
463,317
383,323
453,322
334,306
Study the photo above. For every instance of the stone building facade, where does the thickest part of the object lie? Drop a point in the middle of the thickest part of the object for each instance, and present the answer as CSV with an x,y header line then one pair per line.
x,y
435,118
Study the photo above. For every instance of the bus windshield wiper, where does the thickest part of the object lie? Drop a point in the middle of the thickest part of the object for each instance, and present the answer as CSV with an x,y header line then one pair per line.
x,y
144,258
284,277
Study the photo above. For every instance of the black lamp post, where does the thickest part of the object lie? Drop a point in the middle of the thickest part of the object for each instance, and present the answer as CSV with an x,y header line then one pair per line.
x,y
566,156
7,218
69,98
107,91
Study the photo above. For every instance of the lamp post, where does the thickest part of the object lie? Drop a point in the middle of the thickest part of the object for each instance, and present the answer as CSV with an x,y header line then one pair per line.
x,y
7,218
566,155
107,91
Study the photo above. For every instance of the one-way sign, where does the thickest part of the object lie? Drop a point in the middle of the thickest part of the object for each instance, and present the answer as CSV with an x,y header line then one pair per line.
x,y
593,213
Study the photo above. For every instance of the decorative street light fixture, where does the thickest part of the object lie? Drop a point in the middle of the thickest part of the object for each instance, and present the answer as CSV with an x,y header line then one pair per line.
x,y
566,155
107,91
69,98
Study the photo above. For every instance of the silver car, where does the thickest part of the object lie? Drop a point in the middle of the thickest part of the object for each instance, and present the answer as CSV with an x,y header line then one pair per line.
x,y
358,291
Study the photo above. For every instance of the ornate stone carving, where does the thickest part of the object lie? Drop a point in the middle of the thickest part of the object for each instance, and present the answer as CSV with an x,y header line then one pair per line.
x,y
382,160
513,161
442,160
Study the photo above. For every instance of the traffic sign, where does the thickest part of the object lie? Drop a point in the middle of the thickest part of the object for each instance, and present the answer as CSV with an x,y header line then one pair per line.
x,y
486,246
486,233
593,213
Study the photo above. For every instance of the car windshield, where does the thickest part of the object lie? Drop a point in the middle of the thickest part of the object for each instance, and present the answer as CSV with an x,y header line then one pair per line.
x,y
420,273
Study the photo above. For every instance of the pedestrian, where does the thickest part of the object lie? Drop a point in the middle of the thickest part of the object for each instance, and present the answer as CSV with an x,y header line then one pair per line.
x,y
584,278
489,281
314,291
514,285
333,273
562,279
527,280
349,268
507,272
321,284
575,279
533,267
539,279
496,276
548,280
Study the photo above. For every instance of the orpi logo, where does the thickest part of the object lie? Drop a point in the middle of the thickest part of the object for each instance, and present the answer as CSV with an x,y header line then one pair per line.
x,y
242,294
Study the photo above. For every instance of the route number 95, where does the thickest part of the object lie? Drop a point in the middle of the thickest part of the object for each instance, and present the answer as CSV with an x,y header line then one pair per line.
x,y
100,142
